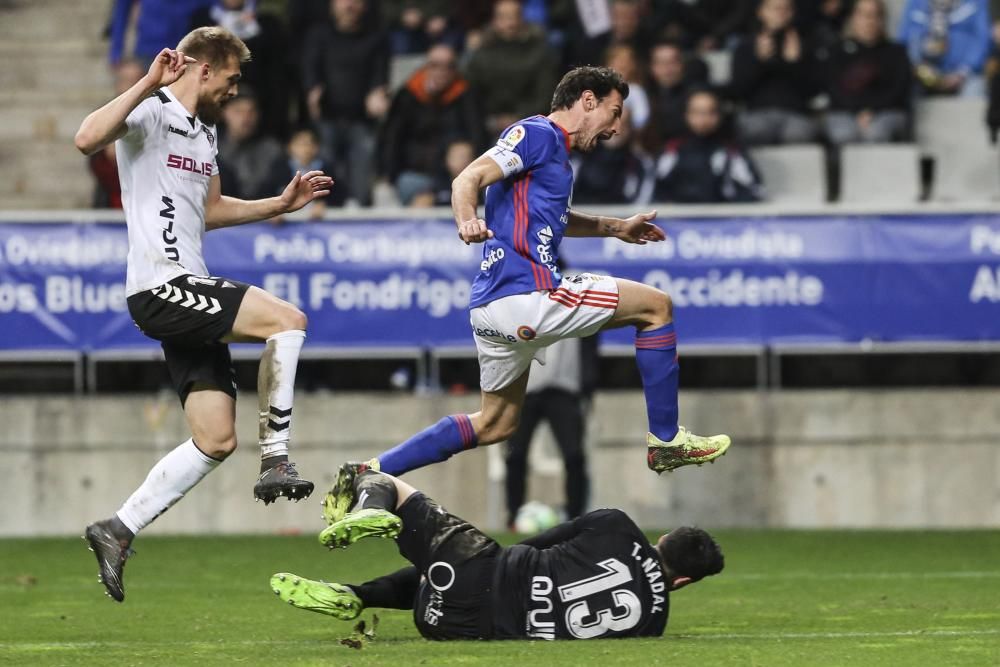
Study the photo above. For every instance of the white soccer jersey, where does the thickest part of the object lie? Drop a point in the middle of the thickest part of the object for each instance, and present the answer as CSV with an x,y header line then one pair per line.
x,y
165,163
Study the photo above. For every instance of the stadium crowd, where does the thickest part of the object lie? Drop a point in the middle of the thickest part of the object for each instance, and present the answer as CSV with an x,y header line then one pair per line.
x,y
395,97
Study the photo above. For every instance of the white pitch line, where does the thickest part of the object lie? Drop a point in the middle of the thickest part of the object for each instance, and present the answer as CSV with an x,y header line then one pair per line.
x,y
841,635
985,574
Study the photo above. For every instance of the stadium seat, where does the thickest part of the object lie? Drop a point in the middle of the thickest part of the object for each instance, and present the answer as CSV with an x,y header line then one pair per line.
x,y
880,173
402,68
720,66
793,174
953,132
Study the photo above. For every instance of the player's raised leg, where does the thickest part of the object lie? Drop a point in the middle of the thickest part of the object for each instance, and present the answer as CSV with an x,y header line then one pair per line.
x,y
496,420
281,326
669,445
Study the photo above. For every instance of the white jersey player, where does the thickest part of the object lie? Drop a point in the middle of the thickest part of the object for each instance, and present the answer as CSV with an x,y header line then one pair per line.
x,y
166,146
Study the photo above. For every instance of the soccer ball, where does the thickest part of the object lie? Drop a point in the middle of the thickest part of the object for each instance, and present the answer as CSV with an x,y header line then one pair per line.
x,y
534,517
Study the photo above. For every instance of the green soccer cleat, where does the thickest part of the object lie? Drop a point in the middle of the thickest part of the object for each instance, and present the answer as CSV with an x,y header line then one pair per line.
x,y
685,449
334,600
340,497
359,525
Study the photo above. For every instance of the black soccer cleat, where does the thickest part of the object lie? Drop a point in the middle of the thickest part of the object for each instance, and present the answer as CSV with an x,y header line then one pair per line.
x,y
111,556
281,480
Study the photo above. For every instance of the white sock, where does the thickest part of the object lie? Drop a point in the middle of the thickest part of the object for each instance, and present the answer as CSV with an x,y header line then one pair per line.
x,y
172,477
275,391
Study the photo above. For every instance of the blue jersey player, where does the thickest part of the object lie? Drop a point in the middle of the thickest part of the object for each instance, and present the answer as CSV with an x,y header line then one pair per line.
x,y
521,304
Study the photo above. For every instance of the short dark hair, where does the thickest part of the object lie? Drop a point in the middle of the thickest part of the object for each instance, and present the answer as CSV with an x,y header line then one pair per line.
x,y
691,552
599,80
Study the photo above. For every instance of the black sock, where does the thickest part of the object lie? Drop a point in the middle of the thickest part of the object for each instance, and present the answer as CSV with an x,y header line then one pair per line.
x,y
120,530
272,461
393,591
373,490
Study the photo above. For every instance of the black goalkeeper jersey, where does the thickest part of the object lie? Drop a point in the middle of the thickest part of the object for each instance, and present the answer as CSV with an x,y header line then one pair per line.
x,y
594,577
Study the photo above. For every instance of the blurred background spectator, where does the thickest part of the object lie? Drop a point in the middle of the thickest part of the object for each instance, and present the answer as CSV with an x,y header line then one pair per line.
x,y
104,164
774,76
623,59
158,24
245,154
706,165
948,42
457,156
672,76
302,154
434,108
627,26
869,81
513,73
266,71
346,70
415,25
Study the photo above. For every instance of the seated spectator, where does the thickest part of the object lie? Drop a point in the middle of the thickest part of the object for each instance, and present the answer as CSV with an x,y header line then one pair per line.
x,y
104,163
721,22
627,27
513,72
705,166
434,108
345,72
868,80
457,156
614,172
264,36
159,24
623,59
773,74
414,25
244,153
672,77
948,42
302,154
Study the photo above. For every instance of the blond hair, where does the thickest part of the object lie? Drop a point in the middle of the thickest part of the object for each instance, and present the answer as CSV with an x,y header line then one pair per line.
x,y
214,45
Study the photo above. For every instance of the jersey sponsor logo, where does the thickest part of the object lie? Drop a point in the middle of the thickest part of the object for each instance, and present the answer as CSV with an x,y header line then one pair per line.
x,y
540,623
483,332
169,239
524,332
495,256
171,128
183,163
440,577
512,138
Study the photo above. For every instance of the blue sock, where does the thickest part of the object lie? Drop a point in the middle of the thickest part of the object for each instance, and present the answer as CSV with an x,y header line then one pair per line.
x,y
656,356
436,443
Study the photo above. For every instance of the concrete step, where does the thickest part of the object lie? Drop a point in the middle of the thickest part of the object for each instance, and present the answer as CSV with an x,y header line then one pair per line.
x,y
54,72
50,18
49,122
43,168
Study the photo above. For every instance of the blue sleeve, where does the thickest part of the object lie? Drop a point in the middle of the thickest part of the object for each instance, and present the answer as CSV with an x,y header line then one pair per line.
x,y
522,147
908,31
979,45
119,23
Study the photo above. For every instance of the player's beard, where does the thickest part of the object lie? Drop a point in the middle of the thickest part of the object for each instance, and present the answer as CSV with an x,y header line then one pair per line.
x,y
209,111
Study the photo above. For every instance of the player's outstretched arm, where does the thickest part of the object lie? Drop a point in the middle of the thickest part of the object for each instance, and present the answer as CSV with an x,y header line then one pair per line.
x,y
223,211
637,229
107,124
465,189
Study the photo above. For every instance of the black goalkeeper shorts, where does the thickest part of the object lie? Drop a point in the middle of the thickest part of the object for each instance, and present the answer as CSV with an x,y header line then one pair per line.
x,y
457,562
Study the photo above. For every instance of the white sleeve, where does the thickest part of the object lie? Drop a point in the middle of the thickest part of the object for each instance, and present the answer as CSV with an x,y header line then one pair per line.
x,y
145,118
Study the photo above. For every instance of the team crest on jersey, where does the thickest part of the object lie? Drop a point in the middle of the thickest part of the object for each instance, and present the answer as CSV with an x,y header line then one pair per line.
x,y
513,137
524,332
210,137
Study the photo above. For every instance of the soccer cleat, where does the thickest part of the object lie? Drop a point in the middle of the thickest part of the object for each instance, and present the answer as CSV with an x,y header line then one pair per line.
x,y
685,449
111,556
281,480
340,497
334,600
359,525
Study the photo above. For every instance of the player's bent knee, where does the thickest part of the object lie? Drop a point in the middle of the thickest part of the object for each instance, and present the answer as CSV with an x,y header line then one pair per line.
x,y
661,309
296,319
217,448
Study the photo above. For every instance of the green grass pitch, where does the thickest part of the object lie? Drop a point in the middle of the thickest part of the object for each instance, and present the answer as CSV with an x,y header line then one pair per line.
x,y
785,598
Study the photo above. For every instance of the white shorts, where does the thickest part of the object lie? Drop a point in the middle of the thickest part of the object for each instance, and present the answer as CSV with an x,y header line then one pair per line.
x,y
512,331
